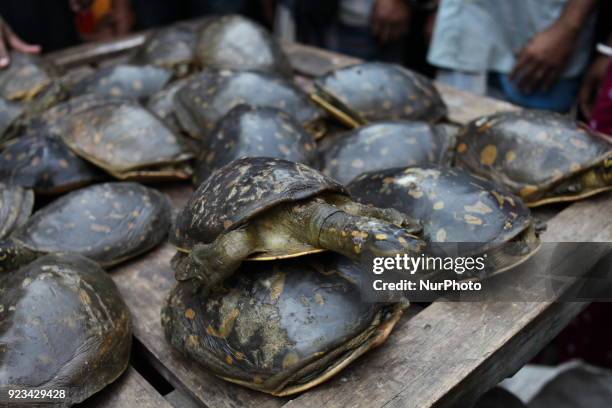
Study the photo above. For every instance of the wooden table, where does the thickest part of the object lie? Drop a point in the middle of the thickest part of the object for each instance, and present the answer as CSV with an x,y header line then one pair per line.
x,y
448,353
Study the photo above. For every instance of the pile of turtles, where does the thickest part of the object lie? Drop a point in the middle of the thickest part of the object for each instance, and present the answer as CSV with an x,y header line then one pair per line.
x,y
287,214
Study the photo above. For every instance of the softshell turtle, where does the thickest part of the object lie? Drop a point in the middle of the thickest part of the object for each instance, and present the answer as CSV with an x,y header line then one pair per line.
x,y
375,91
210,95
125,140
10,115
281,327
162,104
29,78
125,80
172,48
41,161
542,156
235,42
109,223
254,131
15,207
267,208
384,145
63,327
472,215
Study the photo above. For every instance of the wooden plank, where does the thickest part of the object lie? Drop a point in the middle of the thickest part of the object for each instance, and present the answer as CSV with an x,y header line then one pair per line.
x,y
452,352
130,390
145,284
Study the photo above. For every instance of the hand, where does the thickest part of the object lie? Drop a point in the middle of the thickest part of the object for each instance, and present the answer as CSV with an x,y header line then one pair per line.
x,y
80,5
390,19
9,40
590,84
540,63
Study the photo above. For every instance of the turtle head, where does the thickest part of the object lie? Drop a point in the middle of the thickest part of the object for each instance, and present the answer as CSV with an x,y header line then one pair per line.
x,y
13,255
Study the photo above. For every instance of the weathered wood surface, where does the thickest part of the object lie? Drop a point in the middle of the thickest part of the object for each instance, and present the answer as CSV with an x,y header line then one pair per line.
x,y
130,390
447,354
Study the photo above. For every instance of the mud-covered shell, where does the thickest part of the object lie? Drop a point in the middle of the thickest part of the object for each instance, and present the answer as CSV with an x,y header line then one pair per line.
x,y
530,152
26,77
16,205
278,327
241,190
375,91
63,326
235,42
172,47
10,113
126,80
41,161
210,95
452,205
384,145
123,138
108,223
251,132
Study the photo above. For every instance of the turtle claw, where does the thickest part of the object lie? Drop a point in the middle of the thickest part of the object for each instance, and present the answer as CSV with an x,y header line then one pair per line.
x,y
402,220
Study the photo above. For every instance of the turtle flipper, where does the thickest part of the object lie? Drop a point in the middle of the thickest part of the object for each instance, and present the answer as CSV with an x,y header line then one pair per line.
x,y
13,255
212,263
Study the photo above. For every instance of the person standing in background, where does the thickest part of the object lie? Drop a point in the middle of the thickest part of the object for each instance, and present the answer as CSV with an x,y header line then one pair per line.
x,y
529,52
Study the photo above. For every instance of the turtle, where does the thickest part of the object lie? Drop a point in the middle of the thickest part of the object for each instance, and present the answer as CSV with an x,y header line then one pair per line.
x,y
375,91
41,161
266,208
64,328
381,145
108,223
30,78
127,80
171,48
162,104
458,211
544,157
238,43
211,94
125,140
10,119
248,131
16,205
279,327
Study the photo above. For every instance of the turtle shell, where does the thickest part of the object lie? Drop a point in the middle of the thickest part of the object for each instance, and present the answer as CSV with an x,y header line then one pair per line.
x,y
10,114
279,327
384,145
108,223
172,48
241,190
532,153
125,80
452,205
125,140
210,95
254,131
63,326
41,161
15,207
162,104
26,77
375,91
235,42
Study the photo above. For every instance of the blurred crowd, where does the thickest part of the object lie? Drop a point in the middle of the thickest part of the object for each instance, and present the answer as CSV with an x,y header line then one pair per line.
x,y
544,54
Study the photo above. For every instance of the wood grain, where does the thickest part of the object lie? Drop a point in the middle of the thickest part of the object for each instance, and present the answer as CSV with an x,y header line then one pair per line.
x,y
130,390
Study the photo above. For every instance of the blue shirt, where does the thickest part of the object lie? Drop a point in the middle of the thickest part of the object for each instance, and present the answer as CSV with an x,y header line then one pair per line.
x,y
485,35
